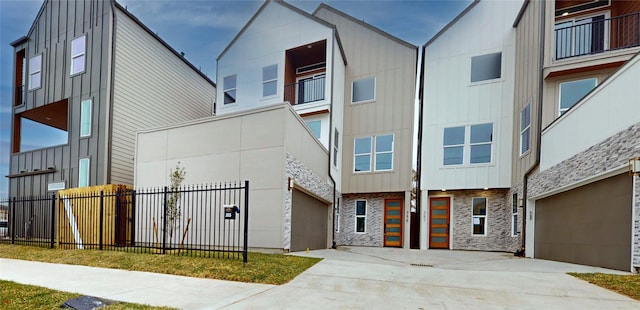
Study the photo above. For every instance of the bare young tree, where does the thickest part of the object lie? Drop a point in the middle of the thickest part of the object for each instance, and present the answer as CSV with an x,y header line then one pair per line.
x,y
173,207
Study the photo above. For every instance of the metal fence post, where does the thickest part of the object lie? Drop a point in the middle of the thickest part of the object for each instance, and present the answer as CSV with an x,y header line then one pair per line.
x,y
53,219
245,252
101,217
133,218
13,221
164,222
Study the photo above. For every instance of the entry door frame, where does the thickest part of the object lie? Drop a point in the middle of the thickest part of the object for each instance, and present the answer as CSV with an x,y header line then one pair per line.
x,y
384,237
450,198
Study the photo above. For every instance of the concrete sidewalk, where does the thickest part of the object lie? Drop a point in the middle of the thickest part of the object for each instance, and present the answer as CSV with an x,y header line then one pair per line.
x,y
351,278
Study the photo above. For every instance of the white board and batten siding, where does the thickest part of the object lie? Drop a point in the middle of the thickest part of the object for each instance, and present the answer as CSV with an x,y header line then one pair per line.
x,y
451,99
264,42
152,87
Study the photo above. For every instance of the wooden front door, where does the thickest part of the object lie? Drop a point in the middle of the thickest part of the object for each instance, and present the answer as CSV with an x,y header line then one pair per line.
x,y
393,222
439,211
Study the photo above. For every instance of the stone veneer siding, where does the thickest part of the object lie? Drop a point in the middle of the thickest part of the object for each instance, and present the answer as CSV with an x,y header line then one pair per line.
x,y
498,232
310,181
609,154
374,227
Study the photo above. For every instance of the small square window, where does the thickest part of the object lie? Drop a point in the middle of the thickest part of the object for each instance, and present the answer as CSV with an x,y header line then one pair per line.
x,y
486,67
78,47
571,92
35,72
315,127
363,90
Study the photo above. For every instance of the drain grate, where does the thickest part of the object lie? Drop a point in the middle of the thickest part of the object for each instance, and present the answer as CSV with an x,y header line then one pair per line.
x,y
422,265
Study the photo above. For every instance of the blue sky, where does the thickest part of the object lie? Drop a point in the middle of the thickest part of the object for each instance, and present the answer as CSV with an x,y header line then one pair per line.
x,y
202,29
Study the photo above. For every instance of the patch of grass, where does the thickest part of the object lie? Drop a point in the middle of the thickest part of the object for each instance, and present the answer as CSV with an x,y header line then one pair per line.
x,y
21,296
261,268
624,284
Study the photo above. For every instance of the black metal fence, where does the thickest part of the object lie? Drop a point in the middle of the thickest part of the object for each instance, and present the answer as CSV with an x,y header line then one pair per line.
x,y
305,90
206,220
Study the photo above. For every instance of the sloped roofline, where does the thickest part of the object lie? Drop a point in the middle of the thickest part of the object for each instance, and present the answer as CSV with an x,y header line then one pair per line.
x,y
137,21
295,9
521,13
364,24
452,22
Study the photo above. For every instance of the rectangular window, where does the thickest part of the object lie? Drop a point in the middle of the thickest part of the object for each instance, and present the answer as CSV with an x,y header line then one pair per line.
x,y
362,155
336,142
361,216
571,92
78,51
35,72
384,153
83,172
514,215
315,127
486,67
85,118
453,146
229,88
269,80
525,129
363,90
479,215
481,138
336,224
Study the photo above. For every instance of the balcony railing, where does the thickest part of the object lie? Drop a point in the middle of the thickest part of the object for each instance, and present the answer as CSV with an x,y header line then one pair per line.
x,y
305,90
596,35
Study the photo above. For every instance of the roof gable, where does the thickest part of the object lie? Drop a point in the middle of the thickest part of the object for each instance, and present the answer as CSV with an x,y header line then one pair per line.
x,y
452,22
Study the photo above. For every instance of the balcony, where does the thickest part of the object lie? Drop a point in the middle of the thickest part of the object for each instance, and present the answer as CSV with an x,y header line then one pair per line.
x,y
306,90
19,95
596,34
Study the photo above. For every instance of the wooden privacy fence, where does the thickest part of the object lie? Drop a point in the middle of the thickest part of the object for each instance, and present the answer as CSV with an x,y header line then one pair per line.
x,y
204,220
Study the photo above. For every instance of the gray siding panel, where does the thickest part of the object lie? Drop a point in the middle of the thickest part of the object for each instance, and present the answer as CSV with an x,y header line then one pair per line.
x,y
153,88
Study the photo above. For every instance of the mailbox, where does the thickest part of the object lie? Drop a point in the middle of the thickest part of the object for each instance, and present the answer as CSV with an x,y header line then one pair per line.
x,y
230,212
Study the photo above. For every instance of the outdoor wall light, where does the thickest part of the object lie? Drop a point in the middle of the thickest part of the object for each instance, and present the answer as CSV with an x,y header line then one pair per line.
x,y
634,166
289,184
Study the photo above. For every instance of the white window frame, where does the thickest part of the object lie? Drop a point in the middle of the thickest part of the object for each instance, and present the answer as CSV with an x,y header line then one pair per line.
x,y
83,178
490,143
374,89
355,228
370,154
563,110
526,130
75,56
376,153
225,90
35,70
85,105
485,216
515,229
337,219
454,145
265,82
336,143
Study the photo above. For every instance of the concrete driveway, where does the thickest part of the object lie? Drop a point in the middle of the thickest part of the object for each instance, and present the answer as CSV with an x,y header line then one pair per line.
x,y
383,278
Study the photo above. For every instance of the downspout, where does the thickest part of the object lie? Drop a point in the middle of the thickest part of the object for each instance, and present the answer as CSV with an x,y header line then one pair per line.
x,y
107,131
333,212
525,181
419,153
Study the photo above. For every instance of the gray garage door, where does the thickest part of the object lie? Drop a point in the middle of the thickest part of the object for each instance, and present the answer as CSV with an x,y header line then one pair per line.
x,y
590,225
308,222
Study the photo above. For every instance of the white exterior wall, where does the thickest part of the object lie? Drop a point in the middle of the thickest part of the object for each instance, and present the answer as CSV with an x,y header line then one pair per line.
x,y
610,108
451,100
273,31
337,111
254,147
152,87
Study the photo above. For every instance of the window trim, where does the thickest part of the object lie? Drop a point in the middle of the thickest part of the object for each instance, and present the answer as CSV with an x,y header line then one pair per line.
x,y
89,121
466,146
515,228
527,129
30,72
74,56
315,120
264,82
87,172
225,90
355,228
375,81
562,111
497,79
362,154
485,216
337,220
375,152
454,145
490,143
